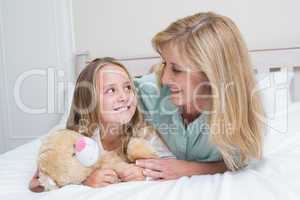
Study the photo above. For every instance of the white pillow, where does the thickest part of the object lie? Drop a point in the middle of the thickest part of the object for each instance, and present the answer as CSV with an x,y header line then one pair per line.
x,y
275,88
280,111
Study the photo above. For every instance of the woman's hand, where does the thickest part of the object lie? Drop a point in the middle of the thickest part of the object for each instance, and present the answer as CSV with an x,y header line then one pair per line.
x,y
132,173
168,169
102,178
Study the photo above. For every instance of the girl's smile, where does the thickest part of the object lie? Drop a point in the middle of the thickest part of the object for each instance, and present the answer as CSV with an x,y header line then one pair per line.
x,y
117,99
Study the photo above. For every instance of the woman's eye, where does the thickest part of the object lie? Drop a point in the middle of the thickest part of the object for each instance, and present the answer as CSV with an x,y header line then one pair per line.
x,y
175,70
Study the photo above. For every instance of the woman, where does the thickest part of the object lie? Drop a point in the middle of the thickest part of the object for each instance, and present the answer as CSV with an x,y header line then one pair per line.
x,y
205,107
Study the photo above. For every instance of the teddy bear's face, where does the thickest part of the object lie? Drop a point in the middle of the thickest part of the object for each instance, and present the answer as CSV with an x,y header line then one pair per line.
x,y
66,157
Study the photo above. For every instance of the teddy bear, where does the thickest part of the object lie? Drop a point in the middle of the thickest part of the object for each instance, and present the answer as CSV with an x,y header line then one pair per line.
x,y
67,157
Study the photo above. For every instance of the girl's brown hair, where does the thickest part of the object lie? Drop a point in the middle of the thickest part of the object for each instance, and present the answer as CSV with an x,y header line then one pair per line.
x,y
85,109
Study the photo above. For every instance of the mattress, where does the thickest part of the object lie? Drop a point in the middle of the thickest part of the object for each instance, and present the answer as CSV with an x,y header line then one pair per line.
x,y
275,177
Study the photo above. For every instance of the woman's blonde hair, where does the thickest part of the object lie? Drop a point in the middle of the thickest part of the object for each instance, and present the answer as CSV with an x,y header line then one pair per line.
x,y
214,44
84,115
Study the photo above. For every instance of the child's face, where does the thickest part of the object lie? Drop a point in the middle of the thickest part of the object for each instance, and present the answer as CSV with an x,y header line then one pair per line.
x,y
117,100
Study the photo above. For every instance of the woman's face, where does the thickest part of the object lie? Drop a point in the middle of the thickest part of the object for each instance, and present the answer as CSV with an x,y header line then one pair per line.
x,y
117,100
189,86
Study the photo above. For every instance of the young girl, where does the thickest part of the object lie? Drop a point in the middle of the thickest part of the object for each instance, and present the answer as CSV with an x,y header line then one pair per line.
x,y
105,107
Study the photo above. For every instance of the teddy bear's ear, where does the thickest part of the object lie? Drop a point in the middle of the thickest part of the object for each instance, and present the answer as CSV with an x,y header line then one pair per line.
x,y
87,151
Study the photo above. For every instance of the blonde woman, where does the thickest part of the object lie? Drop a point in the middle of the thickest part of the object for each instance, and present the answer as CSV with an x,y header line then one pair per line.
x,y
201,99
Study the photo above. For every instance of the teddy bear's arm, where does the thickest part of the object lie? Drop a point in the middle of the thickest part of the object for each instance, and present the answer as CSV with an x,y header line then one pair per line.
x,y
111,160
139,148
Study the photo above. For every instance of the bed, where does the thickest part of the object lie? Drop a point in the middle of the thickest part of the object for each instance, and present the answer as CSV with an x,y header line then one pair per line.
x,y
275,177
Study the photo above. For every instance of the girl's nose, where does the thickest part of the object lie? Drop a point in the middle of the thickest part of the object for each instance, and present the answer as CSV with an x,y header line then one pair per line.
x,y
123,95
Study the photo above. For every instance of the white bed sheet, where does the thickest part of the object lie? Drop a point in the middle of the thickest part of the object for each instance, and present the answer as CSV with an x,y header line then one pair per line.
x,y
275,177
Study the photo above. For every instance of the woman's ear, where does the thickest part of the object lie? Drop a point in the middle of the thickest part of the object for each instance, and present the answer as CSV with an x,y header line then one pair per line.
x,y
154,68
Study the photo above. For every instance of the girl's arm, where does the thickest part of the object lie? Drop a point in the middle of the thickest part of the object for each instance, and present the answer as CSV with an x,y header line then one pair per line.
x,y
172,168
101,178
34,184
132,173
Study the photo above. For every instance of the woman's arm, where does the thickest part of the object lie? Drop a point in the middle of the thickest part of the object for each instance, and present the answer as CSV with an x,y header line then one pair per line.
x,y
208,167
172,168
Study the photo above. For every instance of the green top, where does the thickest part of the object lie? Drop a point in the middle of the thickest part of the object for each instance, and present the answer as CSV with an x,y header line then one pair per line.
x,y
186,142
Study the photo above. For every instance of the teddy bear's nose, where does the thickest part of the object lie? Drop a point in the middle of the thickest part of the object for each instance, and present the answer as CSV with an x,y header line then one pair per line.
x,y
80,144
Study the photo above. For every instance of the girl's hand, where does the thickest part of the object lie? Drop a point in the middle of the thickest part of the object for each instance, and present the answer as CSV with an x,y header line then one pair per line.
x,y
34,184
132,173
102,178
166,169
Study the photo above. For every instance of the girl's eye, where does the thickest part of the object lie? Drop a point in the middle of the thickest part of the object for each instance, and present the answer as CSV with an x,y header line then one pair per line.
x,y
110,91
128,87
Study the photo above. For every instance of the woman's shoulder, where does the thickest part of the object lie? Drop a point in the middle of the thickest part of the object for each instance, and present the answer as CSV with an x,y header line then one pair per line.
x,y
147,83
148,90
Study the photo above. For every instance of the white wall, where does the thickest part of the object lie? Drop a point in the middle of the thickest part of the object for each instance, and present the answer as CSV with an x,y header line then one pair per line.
x,y
125,28
36,58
